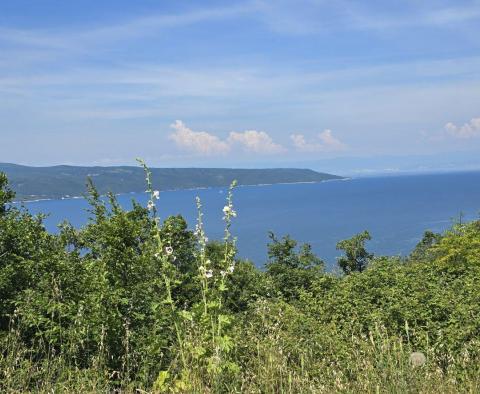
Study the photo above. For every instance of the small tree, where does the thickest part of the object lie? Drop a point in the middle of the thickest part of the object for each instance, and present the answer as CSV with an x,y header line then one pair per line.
x,y
292,269
423,249
356,256
6,194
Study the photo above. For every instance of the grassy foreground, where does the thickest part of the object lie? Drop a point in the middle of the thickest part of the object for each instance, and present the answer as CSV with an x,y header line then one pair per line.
x,y
133,304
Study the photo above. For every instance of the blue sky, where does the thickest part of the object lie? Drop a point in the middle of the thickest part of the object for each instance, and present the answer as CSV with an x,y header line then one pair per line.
x,y
237,83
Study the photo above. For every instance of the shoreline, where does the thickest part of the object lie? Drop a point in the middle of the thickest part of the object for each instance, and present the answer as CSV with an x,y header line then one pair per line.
x,y
27,201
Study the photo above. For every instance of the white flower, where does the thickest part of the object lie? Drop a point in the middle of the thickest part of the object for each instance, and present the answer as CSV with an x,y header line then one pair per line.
x,y
208,274
231,268
150,205
206,239
156,194
228,211
223,273
168,250
197,231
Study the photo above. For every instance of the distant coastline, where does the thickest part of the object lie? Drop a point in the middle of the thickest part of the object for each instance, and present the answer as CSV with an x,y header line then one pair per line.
x,y
27,201
69,182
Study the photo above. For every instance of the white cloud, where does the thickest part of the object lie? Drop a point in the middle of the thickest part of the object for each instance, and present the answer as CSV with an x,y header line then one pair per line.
x,y
329,141
325,142
302,17
282,16
87,38
468,130
199,142
255,141
206,144
450,15
301,144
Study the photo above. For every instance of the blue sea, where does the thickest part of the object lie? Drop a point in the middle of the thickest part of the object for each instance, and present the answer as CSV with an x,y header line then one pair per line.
x,y
396,210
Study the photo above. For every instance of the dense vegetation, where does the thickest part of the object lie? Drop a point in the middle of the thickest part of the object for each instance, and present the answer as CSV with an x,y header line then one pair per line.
x,y
133,304
62,181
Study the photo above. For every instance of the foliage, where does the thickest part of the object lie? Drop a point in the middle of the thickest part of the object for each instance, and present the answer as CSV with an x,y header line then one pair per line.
x,y
423,250
356,256
61,181
292,271
131,303
6,194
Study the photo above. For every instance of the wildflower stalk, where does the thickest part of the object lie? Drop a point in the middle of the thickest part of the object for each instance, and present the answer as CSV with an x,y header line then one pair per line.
x,y
154,195
213,284
205,270
203,266
229,243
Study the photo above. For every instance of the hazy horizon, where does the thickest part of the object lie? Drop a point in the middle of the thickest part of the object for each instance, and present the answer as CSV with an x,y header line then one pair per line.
x,y
344,166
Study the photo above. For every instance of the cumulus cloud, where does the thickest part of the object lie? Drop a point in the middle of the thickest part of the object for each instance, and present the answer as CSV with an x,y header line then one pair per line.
x,y
255,141
468,130
206,144
325,142
329,141
300,143
199,142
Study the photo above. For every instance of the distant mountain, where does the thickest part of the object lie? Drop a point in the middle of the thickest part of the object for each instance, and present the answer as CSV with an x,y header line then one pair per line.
x,y
396,165
67,181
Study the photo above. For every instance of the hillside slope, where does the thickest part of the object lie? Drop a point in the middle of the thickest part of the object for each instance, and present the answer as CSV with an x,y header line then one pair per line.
x,y
62,181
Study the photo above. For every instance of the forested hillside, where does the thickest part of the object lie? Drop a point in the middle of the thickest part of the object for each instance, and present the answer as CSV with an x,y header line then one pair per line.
x,y
63,181
133,303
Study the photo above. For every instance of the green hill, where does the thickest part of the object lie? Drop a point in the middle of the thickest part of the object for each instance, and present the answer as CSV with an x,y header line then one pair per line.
x,y
63,181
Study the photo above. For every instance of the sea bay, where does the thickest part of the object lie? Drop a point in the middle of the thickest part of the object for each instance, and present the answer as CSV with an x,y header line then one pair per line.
x,y
396,210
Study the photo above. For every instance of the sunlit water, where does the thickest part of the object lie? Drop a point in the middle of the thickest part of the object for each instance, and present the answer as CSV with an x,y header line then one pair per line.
x,y
396,211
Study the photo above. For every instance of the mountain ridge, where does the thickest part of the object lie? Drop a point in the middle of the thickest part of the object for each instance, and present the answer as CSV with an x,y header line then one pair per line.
x,y
60,181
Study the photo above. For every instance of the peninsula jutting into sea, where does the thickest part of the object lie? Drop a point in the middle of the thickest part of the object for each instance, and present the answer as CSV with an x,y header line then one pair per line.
x,y
31,183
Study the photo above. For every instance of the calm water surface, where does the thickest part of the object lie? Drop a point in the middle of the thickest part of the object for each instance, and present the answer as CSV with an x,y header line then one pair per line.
x,y
396,211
